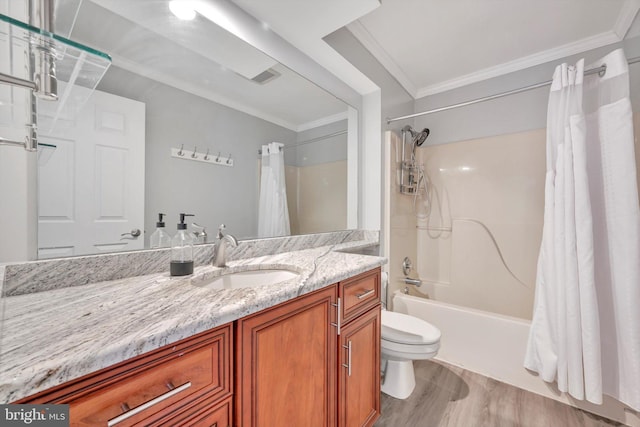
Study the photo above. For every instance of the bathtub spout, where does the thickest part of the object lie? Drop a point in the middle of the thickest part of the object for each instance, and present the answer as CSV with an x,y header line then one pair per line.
x,y
415,282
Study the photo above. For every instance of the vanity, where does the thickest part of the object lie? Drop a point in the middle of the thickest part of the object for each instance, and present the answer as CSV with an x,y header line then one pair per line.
x,y
155,350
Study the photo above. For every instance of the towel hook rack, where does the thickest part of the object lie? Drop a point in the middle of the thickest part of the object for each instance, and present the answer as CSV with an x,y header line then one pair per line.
x,y
197,156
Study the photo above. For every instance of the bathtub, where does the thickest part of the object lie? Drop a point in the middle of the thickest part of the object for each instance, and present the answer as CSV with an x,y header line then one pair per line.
x,y
494,345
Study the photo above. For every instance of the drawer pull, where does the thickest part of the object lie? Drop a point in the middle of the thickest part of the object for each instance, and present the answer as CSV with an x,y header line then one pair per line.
x,y
365,293
155,401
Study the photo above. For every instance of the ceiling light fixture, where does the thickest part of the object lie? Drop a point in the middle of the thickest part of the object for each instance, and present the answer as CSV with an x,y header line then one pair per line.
x,y
182,9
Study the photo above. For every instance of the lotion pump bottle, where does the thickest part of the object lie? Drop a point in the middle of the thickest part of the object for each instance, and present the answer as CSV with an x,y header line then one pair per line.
x,y
182,250
160,238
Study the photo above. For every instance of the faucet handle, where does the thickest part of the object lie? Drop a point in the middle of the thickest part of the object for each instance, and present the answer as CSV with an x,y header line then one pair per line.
x,y
222,227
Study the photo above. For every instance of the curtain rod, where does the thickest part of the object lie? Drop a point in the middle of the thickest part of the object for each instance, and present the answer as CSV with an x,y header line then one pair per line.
x,y
600,70
309,141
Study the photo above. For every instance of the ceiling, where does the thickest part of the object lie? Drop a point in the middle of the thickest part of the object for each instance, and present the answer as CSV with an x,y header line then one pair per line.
x,y
431,46
428,46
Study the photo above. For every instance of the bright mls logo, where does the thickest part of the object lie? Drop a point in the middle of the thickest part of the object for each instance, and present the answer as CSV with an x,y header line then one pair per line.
x,y
34,415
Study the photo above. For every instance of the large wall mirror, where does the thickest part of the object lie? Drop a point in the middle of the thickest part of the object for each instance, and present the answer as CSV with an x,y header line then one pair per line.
x,y
180,90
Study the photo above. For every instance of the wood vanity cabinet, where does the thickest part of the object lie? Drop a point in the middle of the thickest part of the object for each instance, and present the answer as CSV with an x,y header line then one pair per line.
x,y
178,384
293,369
313,361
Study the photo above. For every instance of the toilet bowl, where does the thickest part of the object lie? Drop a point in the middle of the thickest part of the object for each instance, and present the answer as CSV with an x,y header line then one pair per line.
x,y
404,339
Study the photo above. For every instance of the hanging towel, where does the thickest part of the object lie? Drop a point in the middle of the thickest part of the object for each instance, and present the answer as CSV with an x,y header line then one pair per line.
x,y
585,332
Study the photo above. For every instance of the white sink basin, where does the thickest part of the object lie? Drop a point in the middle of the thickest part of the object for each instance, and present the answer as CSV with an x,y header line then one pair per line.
x,y
246,279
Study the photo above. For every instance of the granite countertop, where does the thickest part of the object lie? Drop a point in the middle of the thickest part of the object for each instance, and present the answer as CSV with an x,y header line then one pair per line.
x,y
55,336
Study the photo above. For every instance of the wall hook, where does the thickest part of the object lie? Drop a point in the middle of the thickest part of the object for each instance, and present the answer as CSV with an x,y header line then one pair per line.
x,y
197,156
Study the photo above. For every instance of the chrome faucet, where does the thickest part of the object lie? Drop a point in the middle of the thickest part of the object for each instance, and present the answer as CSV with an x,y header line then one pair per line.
x,y
220,255
199,233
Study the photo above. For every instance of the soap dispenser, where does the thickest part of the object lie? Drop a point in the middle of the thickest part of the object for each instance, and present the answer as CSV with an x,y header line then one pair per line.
x,y
160,238
182,250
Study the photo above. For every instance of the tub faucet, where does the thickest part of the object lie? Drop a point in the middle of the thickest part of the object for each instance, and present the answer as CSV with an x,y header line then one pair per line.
x,y
220,255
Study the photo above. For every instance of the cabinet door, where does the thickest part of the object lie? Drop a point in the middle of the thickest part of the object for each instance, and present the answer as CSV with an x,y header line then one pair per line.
x,y
286,360
359,375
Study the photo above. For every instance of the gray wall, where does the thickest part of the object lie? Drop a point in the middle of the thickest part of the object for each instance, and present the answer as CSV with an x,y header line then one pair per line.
x,y
215,194
514,113
395,100
324,150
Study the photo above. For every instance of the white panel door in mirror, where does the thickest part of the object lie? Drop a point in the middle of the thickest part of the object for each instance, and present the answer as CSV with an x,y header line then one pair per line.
x,y
106,204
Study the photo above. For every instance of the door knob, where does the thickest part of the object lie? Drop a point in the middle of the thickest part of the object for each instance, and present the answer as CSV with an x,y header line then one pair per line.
x,y
134,233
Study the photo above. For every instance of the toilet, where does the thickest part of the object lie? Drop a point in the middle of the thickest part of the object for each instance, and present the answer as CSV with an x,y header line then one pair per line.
x,y
404,339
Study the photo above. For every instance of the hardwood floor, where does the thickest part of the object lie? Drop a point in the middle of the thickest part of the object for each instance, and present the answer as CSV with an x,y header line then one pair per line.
x,y
448,396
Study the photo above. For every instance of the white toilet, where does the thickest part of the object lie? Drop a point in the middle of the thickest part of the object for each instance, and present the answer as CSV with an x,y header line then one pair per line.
x,y
404,339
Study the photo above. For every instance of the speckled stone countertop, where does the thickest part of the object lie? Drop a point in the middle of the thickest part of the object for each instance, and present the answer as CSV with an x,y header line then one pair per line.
x,y
55,336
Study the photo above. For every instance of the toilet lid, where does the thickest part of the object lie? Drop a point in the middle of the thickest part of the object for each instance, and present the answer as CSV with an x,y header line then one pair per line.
x,y
406,329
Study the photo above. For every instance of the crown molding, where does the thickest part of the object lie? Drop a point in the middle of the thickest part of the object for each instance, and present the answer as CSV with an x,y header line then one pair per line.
x,y
360,32
588,43
196,90
322,121
627,14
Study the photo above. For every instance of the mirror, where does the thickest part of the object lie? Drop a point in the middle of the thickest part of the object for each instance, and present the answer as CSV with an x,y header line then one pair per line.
x,y
175,125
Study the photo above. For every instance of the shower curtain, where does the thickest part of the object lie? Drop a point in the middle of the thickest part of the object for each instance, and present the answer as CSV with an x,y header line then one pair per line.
x,y
273,213
585,332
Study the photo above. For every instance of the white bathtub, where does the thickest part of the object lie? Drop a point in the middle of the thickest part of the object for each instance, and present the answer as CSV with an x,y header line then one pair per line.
x,y
494,345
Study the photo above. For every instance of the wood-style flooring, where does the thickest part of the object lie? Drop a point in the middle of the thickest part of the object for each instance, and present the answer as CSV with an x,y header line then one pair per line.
x,y
448,396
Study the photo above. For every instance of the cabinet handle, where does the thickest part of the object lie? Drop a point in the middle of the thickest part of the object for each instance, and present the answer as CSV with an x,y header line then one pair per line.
x,y
348,365
155,401
338,323
365,293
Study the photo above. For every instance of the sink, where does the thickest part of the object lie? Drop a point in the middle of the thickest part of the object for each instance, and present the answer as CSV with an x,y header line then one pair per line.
x,y
246,279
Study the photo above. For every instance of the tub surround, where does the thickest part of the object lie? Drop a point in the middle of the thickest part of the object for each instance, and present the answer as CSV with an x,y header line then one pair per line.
x,y
53,336
37,276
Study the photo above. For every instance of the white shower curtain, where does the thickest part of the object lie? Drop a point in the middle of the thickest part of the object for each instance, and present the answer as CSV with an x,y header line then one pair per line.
x,y
585,332
273,213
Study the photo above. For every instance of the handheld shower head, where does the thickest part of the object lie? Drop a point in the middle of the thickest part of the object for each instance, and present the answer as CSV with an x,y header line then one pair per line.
x,y
417,138
421,137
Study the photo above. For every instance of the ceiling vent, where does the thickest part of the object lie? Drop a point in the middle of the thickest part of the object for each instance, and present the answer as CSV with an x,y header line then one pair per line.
x,y
266,76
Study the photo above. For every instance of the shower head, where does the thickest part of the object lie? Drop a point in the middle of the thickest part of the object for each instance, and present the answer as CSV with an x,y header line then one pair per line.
x,y
421,137
417,138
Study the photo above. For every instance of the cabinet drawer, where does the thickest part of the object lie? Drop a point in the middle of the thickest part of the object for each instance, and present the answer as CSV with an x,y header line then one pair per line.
x,y
147,389
217,414
359,294
143,394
